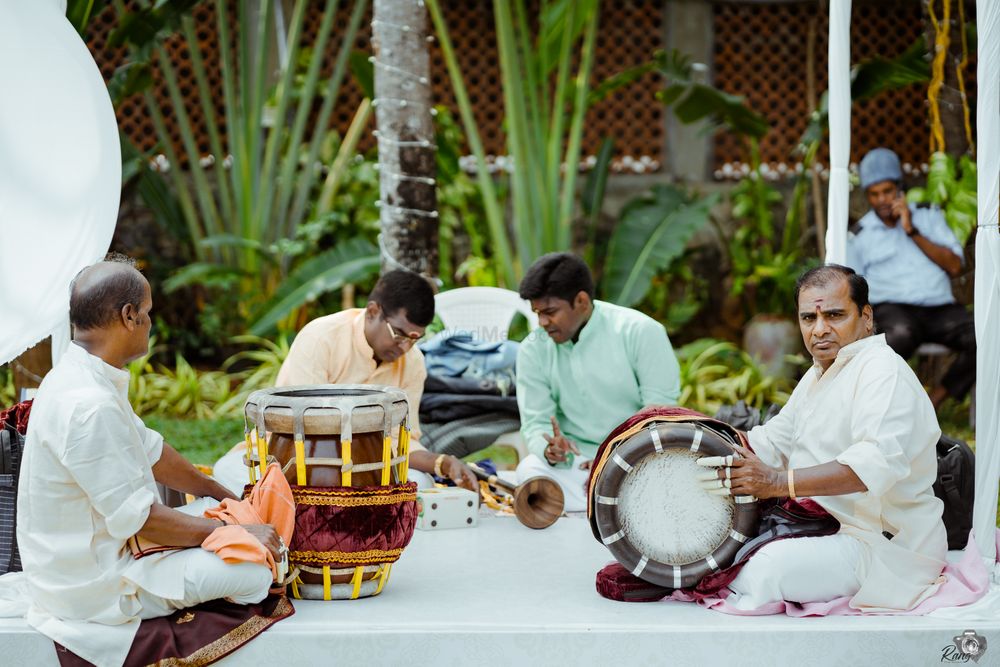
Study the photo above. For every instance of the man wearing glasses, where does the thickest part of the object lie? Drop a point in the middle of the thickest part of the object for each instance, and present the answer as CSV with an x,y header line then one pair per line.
x,y
376,344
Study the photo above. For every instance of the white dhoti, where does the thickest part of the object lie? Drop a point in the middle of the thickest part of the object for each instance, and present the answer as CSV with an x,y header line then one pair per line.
x,y
230,472
571,480
208,577
801,569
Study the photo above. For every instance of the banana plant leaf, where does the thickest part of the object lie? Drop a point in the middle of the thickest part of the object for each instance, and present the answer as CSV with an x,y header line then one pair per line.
x,y
202,273
652,233
349,261
80,12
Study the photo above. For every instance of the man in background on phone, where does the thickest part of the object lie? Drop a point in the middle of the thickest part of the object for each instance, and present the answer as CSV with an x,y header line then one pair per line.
x,y
909,255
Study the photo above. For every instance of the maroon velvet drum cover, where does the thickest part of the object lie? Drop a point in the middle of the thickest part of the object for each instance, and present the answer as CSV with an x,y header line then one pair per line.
x,y
344,450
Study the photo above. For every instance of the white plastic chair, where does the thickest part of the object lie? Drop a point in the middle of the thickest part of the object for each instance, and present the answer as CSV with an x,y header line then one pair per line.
x,y
486,313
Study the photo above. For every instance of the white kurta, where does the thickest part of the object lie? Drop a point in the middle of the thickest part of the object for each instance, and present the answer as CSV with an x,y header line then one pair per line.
x,y
868,411
86,485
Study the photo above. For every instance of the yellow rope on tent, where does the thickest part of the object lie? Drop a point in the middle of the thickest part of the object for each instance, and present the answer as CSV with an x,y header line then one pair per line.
x,y
960,74
942,39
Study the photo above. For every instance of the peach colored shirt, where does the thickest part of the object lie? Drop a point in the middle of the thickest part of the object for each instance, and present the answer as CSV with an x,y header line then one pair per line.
x,y
333,350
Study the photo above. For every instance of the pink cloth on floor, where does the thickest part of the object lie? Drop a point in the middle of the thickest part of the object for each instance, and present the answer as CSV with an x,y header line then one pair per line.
x,y
966,581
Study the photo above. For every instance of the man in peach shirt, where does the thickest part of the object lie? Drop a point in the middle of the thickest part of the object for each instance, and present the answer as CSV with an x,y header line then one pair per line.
x,y
376,344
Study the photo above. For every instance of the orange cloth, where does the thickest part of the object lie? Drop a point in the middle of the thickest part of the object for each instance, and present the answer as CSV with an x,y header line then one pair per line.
x,y
270,502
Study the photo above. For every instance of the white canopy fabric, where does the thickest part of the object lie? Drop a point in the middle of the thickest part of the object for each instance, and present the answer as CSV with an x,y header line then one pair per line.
x,y
839,107
60,170
987,299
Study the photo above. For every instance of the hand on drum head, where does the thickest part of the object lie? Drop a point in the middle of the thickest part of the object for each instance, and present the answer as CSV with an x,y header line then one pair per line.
x,y
559,445
743,475
268,536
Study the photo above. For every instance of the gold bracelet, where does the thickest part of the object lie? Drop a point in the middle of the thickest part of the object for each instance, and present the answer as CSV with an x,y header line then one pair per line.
x,y
437,465
791,484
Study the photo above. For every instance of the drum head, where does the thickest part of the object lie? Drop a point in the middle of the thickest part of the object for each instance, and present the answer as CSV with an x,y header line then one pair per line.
x,y
656,519
323,408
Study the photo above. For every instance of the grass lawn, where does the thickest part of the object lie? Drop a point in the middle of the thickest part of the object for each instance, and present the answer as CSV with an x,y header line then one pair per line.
x,y
200,441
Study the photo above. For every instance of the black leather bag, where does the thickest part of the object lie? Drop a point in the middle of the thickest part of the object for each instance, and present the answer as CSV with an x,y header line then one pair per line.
x,y
11,448
956,487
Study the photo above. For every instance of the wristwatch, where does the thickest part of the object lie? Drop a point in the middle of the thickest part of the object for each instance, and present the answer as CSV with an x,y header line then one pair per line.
x,y
913,232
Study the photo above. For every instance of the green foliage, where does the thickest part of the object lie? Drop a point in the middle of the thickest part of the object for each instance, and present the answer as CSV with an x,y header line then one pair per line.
x,y
592,196
79,12
347,262
690,100
460,209
953,190
716,373
201,441
693,102
653,232
870,78
186,392
241,215
765,261
7,394
676,295
544,108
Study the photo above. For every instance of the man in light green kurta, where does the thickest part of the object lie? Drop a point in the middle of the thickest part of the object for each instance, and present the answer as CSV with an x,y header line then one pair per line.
x,y
588,367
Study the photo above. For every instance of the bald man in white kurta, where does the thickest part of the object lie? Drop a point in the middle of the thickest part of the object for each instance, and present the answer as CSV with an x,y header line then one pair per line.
x,y
867,411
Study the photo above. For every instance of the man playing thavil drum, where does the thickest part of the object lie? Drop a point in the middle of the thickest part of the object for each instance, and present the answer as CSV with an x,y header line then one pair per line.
x,y
88,484
376,344
857,436
588,366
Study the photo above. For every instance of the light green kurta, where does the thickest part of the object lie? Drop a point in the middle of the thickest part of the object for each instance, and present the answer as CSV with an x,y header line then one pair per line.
x,y
621,363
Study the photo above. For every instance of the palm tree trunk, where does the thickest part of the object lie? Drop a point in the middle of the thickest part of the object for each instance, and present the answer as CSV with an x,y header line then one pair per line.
x,y
406,151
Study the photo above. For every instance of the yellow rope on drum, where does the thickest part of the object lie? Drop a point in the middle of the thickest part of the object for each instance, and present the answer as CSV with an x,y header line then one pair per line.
x,y
326,582
295,588
345,454
359,572
383,576
262,455
251,471
300,463
404,451
386,458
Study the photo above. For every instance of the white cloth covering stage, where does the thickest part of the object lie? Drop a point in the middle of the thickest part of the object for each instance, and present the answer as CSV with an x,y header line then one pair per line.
x,y
502,593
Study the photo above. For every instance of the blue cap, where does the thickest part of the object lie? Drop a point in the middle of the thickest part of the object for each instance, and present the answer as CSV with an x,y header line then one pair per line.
x,y
881,164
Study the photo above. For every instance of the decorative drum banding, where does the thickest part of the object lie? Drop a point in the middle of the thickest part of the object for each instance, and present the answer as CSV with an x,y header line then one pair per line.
x,y
654,517
344,451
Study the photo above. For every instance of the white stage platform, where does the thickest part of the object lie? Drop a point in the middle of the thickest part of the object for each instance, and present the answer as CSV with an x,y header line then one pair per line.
x,y
503,594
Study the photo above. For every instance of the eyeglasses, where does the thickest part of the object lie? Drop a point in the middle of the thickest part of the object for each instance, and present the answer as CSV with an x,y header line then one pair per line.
x,y
401,338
